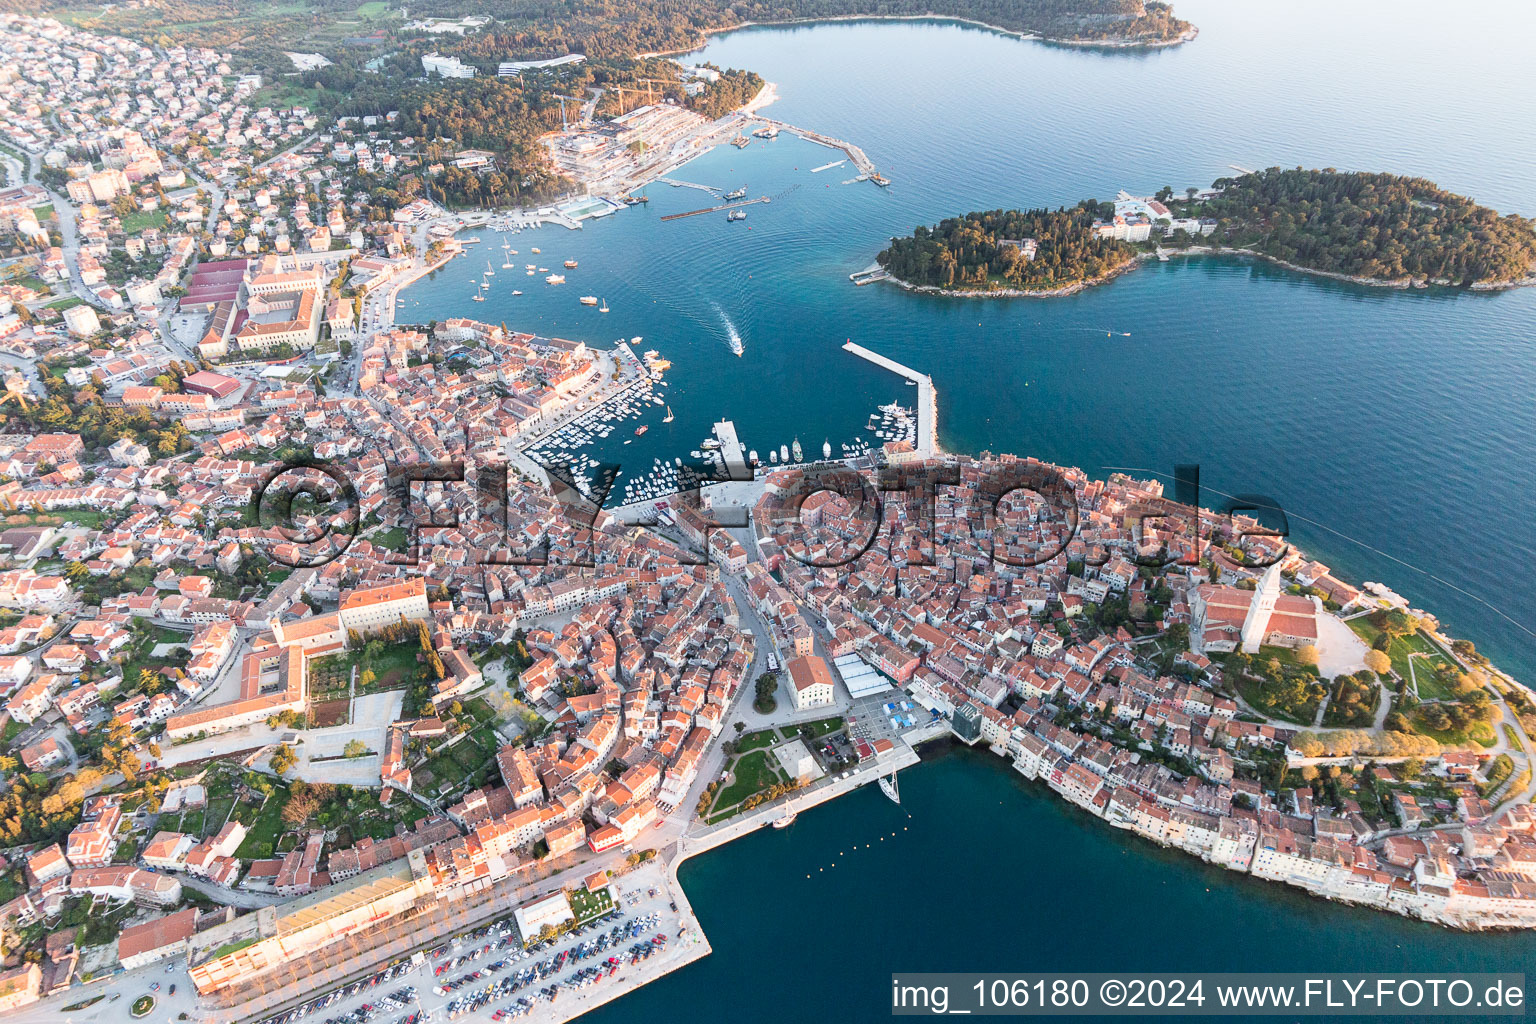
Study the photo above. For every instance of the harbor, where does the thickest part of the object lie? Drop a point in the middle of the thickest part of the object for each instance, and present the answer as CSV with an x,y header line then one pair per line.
x,y
926,444
861,160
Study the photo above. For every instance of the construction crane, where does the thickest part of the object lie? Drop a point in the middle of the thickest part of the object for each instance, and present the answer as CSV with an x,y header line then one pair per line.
x,y
574,99
649,94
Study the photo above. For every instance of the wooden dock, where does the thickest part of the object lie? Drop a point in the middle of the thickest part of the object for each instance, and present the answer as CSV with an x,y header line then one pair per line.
x,y
717,209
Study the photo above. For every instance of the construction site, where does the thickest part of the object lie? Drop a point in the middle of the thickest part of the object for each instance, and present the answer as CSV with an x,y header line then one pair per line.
x,y
612,158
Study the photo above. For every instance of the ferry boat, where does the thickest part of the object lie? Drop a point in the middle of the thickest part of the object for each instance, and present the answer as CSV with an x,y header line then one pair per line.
x,y
826,449
767,131
555,279
787,820
740,193
641,429
784,452
735,215
797,451
570,264
587,300
669,417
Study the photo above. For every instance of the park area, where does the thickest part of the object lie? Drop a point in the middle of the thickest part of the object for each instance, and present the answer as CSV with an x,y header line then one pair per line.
x,y
1413,655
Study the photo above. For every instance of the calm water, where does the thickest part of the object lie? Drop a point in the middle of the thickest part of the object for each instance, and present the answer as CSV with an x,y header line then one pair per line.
x,y
994,873
1401,421
1394,427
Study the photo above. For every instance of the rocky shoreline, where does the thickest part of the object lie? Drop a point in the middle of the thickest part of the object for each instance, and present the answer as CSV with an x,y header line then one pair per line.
x,y
1207,250
1111,43
1017,293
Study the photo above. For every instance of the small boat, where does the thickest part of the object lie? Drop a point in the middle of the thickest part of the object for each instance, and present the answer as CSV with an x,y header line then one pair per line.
x,y
570,264
488,271
888,787
479,297
669,415
516,292
784,452
826,449
533,250
709,444
604,307
773,456
555,279
529,266
787,820
752,456
640,430
587,300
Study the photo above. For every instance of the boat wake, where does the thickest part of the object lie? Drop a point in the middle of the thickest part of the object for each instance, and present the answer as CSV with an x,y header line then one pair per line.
x,y
733,337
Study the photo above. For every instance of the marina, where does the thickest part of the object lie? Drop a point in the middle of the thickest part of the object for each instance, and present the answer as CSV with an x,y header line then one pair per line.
x,y
926,441
860,160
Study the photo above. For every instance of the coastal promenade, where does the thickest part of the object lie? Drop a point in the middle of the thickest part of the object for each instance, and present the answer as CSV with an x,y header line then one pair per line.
x,y
829,788
927,398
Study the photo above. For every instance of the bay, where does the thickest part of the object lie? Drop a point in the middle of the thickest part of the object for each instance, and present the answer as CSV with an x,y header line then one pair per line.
x,y
979,869
1394,427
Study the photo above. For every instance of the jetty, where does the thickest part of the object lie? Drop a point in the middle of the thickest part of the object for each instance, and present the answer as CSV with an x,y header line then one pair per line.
x,y
716,209
927,398
675,183
860,160
869,275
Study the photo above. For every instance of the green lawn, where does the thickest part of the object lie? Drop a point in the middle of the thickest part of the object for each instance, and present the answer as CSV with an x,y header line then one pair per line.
x,y
587,905
1401,647
756,740
1513,738
68,302
140,220
1479,733
265,825
754,772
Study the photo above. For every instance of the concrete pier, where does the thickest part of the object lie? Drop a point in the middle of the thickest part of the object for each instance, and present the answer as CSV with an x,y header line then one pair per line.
x,y
927,398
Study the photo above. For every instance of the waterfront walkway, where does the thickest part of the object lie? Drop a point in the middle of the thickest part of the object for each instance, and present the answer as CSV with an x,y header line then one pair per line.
x,y
927,398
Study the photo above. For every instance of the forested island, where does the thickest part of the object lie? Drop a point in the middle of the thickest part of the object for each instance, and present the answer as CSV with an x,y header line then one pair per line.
x,y
1377,227
1005,251
1368,227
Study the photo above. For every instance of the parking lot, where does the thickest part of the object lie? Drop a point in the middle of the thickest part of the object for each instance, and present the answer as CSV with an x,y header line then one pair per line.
x,y
487,975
